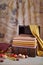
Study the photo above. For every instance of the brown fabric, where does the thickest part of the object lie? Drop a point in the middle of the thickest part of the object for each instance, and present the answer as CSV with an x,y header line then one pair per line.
x,y
25,35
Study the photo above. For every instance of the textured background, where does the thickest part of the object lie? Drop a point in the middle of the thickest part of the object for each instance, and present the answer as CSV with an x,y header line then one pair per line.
x,y
7,13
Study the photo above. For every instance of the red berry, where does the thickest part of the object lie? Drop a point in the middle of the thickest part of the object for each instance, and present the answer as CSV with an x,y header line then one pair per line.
x,y
0,55
15,55
11,55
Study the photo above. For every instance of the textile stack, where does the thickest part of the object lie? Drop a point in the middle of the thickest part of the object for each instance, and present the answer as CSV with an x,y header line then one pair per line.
x,y
25,44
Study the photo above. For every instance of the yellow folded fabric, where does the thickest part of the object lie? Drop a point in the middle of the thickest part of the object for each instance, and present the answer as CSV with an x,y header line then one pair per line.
x,y
40,53
24,43
35,31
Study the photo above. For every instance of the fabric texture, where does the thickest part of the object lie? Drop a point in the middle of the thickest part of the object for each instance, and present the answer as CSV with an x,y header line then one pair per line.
x,y
35,31
25,41
4,47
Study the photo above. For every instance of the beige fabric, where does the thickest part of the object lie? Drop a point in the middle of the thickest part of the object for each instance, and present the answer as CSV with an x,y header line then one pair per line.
x,y
24,41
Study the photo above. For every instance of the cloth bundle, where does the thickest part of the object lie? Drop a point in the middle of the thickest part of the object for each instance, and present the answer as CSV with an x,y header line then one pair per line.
x,y
24,41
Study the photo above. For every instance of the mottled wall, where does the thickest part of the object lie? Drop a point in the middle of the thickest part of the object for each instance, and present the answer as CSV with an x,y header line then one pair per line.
x,y
41,18
8,19
4,17
19,12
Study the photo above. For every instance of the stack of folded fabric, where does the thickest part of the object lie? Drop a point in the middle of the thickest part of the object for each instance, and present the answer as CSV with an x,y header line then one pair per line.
x,y
28,43
24,41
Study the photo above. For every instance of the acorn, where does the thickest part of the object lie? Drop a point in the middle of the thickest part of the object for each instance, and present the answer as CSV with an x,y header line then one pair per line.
x,y
14,59
15,55
11,55
17,59
20,55
4,56
0,55
1,60
23,56
26,56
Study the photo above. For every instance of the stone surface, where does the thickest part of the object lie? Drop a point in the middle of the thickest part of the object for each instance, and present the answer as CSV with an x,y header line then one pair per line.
x,y
28,61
